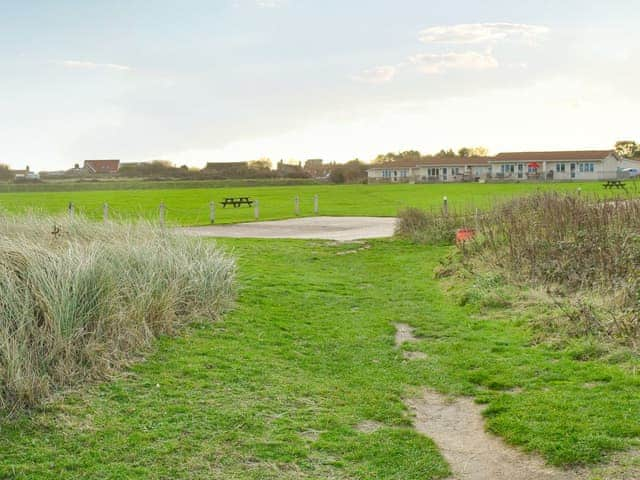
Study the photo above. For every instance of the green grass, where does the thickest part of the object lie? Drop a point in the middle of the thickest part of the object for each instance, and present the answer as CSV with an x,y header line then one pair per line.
x,y
190,206
275,389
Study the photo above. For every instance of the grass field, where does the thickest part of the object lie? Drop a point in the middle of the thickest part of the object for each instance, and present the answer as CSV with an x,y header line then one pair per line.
x,y
276,389
190,206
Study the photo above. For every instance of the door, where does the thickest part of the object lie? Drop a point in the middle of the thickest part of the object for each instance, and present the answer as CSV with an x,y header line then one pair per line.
x,y
572,167
444,174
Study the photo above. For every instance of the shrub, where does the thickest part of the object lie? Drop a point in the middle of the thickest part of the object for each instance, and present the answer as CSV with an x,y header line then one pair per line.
x,y
80,299
427,227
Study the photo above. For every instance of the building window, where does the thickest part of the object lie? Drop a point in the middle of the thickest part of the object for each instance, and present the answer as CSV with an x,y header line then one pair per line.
x,y
433,172
507,168
586,167
560,167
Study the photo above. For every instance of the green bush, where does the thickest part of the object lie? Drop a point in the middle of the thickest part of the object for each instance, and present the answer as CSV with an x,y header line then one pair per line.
x,y
80,299
426,227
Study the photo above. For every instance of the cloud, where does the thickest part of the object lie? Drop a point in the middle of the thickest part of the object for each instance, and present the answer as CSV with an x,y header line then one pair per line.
x,y
381,74
94,66
434,63
480,32
270,3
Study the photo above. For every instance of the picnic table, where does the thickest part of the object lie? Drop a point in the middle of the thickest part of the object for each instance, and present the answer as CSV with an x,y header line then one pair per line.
x,y
236,201
613,184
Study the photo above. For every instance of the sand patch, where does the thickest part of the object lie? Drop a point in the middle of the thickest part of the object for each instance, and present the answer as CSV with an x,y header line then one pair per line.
x,y
457,427
404,334
369,426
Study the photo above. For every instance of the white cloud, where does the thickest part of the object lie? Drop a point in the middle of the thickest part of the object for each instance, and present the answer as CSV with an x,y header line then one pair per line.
x,y
270,3
433,63
94,66
480,32
381,74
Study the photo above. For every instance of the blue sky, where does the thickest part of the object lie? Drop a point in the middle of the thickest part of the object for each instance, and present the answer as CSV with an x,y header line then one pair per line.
x,y
223,80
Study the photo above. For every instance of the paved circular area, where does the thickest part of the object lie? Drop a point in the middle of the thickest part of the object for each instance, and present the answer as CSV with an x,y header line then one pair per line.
x,y
319,228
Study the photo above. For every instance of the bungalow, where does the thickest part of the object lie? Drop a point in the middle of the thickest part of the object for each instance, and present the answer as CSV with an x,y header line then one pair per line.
x,y
510,166
102,166
431,169
564,165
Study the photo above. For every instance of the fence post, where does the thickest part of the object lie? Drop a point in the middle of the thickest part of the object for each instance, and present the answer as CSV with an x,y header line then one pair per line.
x,y
72,210
296,205
579,190
105,212
256,209
445,206
162,211
212,212
316,205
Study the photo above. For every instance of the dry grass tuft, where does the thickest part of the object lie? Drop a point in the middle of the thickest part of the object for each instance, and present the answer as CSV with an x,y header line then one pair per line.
x,y
80,299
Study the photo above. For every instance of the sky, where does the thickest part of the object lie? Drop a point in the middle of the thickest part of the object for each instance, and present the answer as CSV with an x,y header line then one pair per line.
x,y
194,81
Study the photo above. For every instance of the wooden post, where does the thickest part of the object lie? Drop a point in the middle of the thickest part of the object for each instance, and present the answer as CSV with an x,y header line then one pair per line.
x,y
105,212
256,209
72,210
296,205
445,206
316,204
162,211
212,212
579,190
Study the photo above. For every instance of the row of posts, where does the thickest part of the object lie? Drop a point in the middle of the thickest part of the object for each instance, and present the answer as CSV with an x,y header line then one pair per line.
x,y
212,209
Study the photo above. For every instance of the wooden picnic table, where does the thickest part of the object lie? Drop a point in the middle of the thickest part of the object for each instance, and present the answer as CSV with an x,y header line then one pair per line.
x,y
236,201
613,184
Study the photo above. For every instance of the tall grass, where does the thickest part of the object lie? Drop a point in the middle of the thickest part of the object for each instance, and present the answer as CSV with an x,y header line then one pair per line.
x,y
80,299
585,248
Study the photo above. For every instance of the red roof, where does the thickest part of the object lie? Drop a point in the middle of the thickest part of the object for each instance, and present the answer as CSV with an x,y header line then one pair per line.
x,y
563,155
102,166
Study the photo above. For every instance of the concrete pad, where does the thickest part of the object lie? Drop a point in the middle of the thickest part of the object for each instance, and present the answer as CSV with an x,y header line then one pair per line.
x,y
340,229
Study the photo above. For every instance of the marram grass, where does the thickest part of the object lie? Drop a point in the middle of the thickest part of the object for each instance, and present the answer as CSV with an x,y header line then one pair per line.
x,y
78,299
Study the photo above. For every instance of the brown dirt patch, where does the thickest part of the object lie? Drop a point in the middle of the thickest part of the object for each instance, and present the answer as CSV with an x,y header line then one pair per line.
x,y
457,427
404,334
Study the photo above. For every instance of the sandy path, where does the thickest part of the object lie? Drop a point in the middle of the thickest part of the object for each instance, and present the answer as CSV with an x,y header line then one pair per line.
x,y
457,427
318,228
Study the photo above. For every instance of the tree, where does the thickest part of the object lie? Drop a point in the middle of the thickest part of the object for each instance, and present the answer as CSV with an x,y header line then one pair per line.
x,y
5,173
627,148
473,152
261,164
446,153
353,171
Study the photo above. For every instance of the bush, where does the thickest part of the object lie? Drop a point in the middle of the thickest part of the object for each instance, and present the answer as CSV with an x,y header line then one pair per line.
x,y
80,299
427,227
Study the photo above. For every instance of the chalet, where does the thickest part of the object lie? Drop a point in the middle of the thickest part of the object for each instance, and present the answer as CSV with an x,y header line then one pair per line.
x,y
509,166
102,167
431,169
560,165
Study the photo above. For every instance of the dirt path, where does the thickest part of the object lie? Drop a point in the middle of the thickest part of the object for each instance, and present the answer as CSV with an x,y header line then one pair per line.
x,y
317,228
457,428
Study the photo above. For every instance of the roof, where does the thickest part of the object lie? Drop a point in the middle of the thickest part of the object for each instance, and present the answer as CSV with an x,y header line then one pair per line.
x,y
398,164
562,155
102,166
455,161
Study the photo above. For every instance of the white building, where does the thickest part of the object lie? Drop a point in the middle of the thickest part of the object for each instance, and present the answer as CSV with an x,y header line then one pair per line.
x,y
431,169
564,165
510,166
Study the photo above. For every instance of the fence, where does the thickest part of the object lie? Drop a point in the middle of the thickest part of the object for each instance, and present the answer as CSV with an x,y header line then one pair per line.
x,y
209,211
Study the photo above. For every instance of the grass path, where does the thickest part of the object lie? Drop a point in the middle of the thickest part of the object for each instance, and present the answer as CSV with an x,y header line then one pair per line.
x,y
277,389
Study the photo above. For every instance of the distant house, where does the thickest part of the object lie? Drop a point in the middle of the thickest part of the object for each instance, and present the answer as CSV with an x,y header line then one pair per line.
x,y
431,169
558,165
315,167
102,166
508,166
226,169
290,169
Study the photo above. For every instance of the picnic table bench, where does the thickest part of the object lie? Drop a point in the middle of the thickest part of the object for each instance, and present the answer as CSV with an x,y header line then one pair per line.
x,y
236,201
613,184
